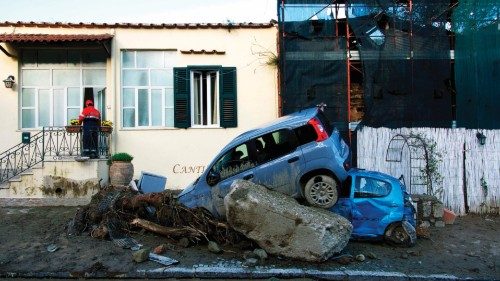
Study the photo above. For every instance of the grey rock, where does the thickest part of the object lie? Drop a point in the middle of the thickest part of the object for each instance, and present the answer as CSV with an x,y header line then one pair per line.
x,y
281,226
141,255
260,253
214,247
425,224
249,254
426,209
250,262
439,224
360,257
404,256
371,255
437,209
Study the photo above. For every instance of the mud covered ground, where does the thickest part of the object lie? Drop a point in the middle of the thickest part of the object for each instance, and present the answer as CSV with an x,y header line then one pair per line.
x,y
469,248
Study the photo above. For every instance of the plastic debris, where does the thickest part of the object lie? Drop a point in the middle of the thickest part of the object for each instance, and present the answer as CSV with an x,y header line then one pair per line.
x,y
52,248
162,259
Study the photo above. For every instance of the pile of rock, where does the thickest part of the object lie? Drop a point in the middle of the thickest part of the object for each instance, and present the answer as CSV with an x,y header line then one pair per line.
x,y
431,212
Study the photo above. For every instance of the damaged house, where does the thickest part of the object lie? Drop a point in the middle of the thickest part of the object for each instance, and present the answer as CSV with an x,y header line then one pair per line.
x,y
166,88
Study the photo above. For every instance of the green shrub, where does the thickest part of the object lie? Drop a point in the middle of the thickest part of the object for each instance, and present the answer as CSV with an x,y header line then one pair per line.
x,y
122,156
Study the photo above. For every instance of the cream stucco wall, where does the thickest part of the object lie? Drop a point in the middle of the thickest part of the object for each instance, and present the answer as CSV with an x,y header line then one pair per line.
x,y
178,154
181,154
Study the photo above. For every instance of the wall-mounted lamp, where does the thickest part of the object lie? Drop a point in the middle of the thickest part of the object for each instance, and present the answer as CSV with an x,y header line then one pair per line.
x,y
9,82
481,138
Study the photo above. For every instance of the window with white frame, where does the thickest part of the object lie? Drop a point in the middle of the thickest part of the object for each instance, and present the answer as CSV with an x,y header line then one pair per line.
x,y
205,98
53,83
147,88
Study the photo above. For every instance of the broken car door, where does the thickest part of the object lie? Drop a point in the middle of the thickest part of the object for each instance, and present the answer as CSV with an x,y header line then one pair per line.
x,y
235,164
279,161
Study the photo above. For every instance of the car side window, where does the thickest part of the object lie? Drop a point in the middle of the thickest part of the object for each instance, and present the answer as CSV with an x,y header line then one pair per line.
x,y
274,145
368,187
233,162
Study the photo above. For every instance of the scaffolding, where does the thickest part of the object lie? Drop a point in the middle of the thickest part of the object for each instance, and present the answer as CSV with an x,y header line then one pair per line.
x,y
414,63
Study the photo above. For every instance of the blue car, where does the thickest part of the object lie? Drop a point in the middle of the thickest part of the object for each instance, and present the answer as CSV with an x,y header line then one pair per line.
x,y
378,206
300,155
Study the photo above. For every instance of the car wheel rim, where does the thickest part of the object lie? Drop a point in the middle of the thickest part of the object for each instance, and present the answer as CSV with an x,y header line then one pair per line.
x,y
400,235
323,193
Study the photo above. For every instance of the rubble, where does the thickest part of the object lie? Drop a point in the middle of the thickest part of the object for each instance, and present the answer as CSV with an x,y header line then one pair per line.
x,y
281,226
114,211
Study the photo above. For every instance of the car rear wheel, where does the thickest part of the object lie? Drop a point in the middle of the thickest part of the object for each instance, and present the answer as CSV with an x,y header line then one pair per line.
x,y
401,234
321,191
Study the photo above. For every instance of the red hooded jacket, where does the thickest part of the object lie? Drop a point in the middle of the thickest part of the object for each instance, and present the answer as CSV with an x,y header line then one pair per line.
x,y
89,111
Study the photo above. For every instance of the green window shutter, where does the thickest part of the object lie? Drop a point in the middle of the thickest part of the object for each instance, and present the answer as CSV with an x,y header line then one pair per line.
x,y
182,103
228,104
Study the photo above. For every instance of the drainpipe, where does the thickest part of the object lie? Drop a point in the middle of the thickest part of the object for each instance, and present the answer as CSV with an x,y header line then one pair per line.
x,y
7,53
116,109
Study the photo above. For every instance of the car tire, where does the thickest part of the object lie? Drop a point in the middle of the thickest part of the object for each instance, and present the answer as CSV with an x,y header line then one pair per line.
x,y
401,235
321,191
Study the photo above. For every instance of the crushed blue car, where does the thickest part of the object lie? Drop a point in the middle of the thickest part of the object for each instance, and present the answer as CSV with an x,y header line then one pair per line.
x,y
378,207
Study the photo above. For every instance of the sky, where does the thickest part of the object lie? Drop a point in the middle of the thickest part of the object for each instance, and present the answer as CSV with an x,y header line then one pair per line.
x,y
139,11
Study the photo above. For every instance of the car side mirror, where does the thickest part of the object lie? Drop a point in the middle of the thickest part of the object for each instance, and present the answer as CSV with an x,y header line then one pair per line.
x,y
213,178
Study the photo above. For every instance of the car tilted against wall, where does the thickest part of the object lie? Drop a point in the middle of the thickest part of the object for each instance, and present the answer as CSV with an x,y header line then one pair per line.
x,y
300,155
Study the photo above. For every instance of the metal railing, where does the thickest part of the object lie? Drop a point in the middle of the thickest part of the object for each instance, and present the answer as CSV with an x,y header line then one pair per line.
x,y
53,142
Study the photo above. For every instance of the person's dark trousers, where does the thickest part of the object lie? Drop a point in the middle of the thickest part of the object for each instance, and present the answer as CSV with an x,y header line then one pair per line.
x,y
90,137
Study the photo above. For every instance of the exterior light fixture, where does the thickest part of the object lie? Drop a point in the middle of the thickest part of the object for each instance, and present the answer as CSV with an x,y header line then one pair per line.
x,y
481,138
9,82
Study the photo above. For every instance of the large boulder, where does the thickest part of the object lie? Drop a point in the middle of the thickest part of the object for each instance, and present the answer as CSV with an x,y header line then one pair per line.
x,y
283,227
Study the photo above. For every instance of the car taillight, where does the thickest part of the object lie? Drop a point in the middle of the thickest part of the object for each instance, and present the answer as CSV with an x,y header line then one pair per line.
x,y
320,131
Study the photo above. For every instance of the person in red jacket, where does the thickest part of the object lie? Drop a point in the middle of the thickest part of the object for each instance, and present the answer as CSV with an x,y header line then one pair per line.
x,y
90,117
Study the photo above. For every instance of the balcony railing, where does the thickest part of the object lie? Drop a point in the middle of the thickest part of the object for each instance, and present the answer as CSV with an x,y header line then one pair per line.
x,y
53,143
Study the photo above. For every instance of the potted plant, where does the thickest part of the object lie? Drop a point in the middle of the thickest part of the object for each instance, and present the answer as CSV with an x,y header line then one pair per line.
x,y
74,126
106,126
121,170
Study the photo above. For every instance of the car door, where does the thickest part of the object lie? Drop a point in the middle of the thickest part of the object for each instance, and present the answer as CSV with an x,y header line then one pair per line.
x,y
235,163
372,205
279,161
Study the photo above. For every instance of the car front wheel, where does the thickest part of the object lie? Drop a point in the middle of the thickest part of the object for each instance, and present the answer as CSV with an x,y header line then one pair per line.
x,y
321,191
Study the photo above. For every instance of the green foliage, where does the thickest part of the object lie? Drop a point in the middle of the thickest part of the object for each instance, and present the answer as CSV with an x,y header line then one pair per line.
x,y
484,186
122,156
434,159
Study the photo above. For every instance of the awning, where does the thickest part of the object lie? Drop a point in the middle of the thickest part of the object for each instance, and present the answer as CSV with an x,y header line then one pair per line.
x,y
35,40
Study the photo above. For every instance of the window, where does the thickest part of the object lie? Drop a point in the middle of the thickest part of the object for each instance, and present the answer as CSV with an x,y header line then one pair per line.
x,y
205,96
274,145
233,162
53,83
368,187
147,88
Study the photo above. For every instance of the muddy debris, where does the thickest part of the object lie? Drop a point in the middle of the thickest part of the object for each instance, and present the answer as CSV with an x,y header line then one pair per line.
x,y
116,212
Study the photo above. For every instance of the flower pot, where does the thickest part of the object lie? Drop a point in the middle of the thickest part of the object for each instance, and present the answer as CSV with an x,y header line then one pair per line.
x,y
106,129
121,173
73,129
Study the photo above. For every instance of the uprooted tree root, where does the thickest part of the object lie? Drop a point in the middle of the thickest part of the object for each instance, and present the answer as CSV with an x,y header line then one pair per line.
x,y
119,209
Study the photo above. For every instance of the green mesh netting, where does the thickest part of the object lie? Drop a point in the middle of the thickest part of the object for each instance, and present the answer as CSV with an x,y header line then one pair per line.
x,y
477,63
